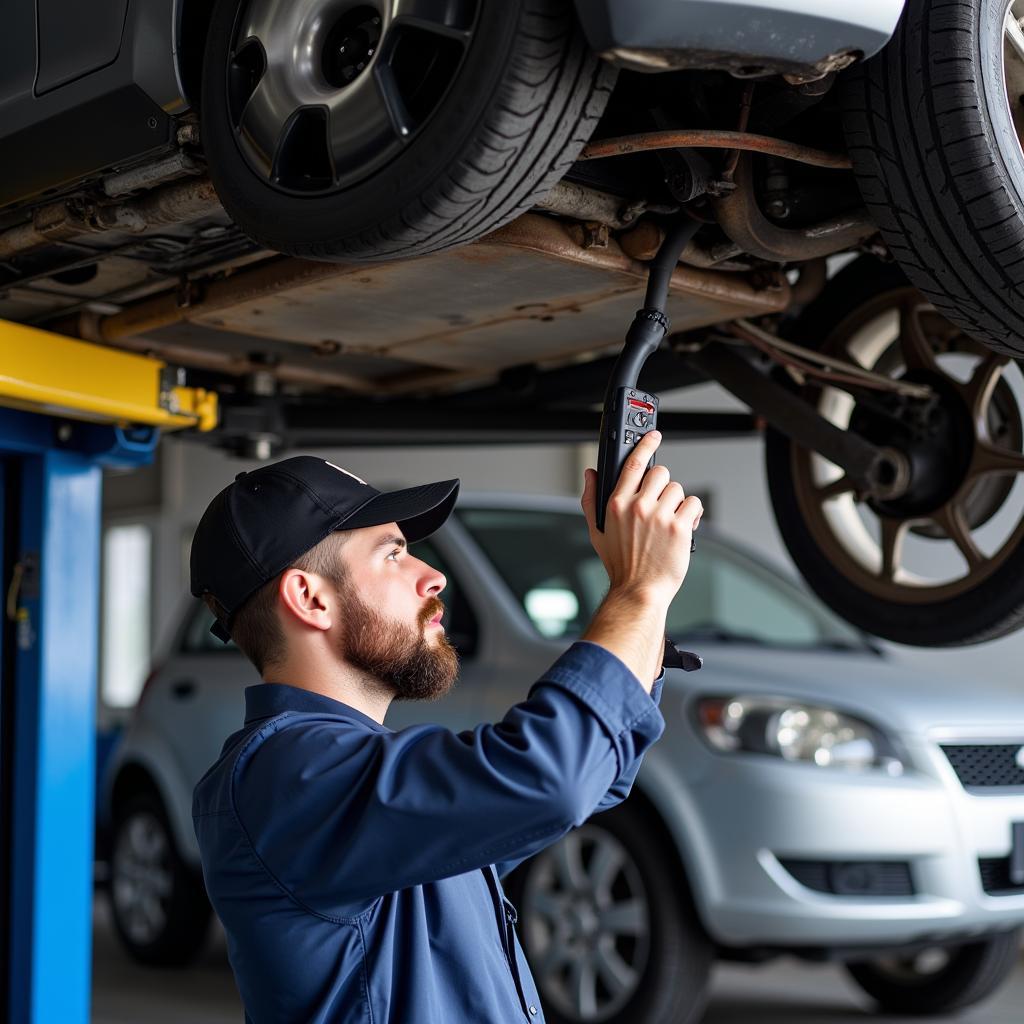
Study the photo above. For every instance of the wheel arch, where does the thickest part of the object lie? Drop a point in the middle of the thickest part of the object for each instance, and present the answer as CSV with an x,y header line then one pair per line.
x,y
192,21
145,765
680,833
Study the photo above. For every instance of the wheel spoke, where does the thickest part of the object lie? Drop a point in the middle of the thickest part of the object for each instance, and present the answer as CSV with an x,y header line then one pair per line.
x,y
553,958
951,518
583,986
441,17
367,119
569,864
616,974
626,918
978,390
917,349
262,121
893,533
988,458
604,866
841,485
548,904
1013,34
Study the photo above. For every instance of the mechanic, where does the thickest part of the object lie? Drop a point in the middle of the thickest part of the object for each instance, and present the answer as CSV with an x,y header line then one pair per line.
x,y
355,868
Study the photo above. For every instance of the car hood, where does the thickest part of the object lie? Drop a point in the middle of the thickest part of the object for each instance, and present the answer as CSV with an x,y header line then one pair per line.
x,y
906,698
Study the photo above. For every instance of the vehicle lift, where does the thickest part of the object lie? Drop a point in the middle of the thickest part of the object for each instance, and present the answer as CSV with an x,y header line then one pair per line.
x,y
67,409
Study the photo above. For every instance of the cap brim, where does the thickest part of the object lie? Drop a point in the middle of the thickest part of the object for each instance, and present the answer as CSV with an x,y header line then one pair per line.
x,y
419,511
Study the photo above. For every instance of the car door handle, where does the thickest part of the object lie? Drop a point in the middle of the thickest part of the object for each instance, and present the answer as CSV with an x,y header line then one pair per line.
x,y
183,689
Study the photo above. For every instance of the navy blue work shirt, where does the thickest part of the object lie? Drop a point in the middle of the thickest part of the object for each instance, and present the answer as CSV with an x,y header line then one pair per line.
x,y
355,868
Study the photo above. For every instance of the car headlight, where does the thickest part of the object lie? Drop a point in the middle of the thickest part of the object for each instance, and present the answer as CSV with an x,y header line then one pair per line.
x,y
795,731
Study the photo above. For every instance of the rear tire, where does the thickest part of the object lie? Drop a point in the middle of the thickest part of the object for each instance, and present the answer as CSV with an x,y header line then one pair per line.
x,y
988,601
972,973
522,103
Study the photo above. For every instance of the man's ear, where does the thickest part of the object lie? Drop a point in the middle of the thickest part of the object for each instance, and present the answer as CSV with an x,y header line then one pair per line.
x,y
306,598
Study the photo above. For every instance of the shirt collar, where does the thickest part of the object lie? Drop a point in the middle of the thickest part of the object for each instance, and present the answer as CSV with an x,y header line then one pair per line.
x,y
264,700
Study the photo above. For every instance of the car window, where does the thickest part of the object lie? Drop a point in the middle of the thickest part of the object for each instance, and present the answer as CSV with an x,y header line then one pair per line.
x,y
550,566
459,621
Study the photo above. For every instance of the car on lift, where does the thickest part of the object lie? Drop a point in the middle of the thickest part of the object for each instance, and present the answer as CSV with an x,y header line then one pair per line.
x,y
238,187
810,795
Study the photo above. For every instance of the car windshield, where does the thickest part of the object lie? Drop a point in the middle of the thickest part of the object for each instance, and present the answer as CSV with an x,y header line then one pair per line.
x,y
547,560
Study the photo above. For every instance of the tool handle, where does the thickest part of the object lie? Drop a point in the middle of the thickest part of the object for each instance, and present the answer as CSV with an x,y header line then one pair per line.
x,y
628,413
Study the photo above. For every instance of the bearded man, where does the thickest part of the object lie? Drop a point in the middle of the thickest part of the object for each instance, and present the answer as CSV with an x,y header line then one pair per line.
x,y
355,868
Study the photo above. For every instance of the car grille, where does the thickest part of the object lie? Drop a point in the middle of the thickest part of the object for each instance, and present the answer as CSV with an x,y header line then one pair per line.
x,y
852,877
986,765
995,877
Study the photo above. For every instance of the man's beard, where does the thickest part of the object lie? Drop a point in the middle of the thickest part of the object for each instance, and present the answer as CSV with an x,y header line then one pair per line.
x,y
398,655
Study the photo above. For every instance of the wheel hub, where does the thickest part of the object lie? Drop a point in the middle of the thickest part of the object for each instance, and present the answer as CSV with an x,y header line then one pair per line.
x,y
935,437
350,45
323,93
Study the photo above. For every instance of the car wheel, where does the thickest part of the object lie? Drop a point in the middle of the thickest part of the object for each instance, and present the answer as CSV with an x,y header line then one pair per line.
x,y
608,927
934,124
939,979
362,130
943,563
159,905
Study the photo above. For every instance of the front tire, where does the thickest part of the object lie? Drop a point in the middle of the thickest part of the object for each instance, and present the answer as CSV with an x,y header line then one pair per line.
x,y
449,121
608,926
940,980
160,909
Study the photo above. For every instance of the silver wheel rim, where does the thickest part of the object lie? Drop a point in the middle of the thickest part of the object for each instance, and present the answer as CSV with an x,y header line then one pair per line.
x,y
586,924
141,877
871,548
321,93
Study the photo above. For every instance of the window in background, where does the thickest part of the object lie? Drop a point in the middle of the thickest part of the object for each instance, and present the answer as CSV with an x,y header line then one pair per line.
x,y
126,613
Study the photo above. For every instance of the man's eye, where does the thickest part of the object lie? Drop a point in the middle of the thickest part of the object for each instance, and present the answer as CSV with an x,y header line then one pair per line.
x,y
394,554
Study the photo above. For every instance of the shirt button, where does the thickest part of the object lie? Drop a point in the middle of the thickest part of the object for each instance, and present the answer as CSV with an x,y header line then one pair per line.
x,y
533,1010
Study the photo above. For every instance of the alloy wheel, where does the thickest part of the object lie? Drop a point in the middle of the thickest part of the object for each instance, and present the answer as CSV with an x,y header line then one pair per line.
x,y
142,877
586,924
321,93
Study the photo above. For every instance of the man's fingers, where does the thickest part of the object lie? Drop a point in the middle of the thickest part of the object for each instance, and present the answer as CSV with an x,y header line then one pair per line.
x,y
655,480
636,463
690,511
588,500
671,498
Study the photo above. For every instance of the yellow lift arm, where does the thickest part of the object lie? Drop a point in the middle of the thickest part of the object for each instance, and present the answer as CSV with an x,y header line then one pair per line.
x,y
57,375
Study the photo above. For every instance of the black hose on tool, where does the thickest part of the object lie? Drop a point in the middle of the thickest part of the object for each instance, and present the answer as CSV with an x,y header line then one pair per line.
x,y
628,413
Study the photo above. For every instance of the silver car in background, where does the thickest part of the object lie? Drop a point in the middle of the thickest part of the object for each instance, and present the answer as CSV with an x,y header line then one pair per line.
x,y
810,795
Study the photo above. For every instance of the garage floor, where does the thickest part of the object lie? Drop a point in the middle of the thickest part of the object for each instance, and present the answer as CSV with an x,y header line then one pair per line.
x,y
786,992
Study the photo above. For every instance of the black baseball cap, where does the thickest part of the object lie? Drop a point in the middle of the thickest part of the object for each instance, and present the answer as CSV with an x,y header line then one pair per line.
x,y
258,525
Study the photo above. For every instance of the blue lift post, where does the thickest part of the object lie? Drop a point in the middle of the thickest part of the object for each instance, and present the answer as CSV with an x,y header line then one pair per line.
x,y
51,477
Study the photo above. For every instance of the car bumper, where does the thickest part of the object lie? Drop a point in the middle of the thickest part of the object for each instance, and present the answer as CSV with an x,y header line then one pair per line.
x,y
747,37
760,812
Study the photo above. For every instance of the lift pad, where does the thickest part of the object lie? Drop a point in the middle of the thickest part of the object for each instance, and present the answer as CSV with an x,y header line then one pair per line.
x,y
49,373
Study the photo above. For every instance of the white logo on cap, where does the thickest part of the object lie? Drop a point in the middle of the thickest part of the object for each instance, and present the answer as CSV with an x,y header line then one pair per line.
x,y
347,473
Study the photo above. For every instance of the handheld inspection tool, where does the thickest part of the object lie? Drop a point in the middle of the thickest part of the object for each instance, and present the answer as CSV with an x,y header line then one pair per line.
x,y
629,412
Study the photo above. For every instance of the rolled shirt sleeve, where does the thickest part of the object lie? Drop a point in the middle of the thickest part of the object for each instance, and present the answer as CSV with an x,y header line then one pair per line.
x,y
340,813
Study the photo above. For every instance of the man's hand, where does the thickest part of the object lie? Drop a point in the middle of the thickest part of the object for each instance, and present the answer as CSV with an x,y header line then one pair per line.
x,y
645,548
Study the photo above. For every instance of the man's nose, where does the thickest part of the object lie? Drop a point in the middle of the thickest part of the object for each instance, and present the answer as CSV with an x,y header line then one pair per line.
x,y
431,582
